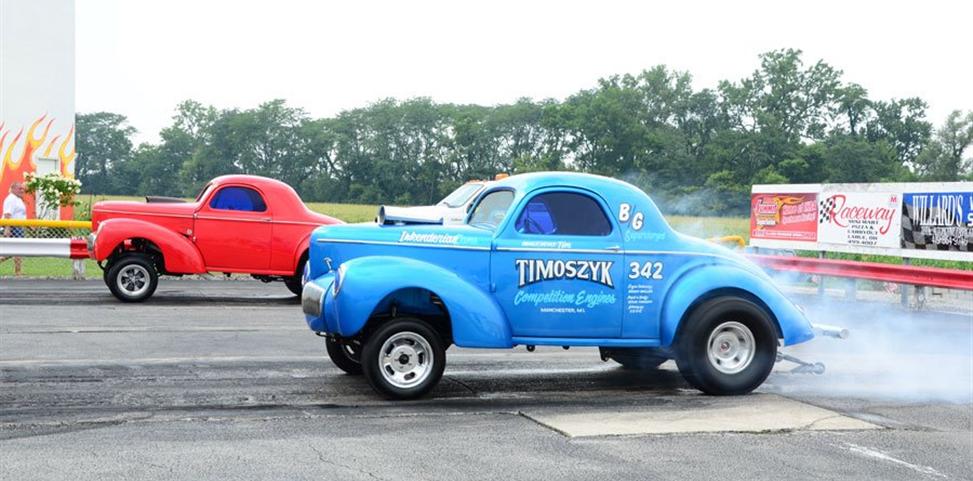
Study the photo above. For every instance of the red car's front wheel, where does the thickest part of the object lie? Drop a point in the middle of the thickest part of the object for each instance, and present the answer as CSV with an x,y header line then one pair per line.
x,y
132,277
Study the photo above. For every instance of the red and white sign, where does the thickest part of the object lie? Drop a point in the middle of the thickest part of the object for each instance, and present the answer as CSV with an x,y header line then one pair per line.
x,y
784,216
866,219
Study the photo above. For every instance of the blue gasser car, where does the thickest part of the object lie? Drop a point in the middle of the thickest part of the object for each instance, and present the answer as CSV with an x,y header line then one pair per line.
x,y
559,259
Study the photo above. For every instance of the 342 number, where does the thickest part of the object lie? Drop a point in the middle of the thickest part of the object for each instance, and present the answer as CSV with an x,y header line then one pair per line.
x,y
647,270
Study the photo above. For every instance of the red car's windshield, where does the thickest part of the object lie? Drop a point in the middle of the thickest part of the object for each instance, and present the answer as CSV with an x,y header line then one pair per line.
x,y
203,192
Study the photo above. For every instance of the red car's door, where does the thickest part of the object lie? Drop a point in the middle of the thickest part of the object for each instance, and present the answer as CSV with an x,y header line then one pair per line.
x,y
233,230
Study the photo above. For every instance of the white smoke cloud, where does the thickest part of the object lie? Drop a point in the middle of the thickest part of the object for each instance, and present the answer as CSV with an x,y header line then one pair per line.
x,y
893,353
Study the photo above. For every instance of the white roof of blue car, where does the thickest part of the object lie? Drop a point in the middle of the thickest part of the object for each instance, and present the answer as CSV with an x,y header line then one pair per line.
x,y
528,182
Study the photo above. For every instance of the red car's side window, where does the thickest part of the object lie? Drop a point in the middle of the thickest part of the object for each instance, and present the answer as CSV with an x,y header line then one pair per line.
x,y
238,198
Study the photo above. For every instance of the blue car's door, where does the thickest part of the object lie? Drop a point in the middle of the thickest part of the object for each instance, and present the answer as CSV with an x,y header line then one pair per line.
x,y
557,267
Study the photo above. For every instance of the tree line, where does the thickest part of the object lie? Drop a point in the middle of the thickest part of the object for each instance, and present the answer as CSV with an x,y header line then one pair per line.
x,y
694,151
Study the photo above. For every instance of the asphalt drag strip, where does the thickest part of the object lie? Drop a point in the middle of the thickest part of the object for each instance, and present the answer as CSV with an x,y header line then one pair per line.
x,y
222,380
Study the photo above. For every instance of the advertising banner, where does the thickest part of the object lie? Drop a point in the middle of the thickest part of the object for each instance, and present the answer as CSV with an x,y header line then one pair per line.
x,y
862,219
784,216
940,221
36,95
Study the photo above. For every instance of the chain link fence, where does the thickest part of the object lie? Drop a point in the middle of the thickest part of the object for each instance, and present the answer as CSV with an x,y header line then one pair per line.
x,y
45,267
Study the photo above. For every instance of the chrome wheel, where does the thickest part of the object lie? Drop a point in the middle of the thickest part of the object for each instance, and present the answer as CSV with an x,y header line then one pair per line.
x,y
731,347
405,359
133,280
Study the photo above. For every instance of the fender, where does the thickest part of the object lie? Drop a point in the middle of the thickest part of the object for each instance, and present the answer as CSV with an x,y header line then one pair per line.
x,y
476,319
703,279
179,254
303,246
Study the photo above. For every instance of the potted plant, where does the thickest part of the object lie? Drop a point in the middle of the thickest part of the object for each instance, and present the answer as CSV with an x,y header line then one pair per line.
x,y
53,189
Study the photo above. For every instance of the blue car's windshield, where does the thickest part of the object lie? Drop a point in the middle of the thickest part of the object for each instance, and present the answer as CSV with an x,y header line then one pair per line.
x,y
461,195
491,209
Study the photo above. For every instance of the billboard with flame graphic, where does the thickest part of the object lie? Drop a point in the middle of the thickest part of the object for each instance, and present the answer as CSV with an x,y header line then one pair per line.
x,y
20,150
786,216
36,92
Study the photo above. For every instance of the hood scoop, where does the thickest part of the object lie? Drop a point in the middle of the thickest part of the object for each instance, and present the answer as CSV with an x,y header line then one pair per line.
x,y
407,216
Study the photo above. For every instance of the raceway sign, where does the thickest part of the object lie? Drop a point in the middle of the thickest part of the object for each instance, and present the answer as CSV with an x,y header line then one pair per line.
x,y
868,219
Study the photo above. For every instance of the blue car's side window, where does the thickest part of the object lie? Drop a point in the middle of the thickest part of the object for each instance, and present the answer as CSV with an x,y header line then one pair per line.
x,y
238,198
563,213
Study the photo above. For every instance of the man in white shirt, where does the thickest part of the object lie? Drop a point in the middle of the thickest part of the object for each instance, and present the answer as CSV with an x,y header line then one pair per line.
x,y
14,208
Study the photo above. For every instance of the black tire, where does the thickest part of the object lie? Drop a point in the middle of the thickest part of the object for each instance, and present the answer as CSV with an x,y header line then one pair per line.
x,y
406,330
132,277
724,322
345,355
635,359
295,283
104,275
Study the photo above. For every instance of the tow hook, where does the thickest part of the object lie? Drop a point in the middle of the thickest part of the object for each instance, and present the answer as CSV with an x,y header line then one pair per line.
x,y
803,367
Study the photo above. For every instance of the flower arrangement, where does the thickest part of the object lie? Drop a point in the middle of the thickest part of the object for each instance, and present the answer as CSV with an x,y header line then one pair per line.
x,y
54,189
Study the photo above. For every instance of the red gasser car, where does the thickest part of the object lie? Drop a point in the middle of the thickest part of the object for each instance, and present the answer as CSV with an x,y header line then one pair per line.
x,y
237,224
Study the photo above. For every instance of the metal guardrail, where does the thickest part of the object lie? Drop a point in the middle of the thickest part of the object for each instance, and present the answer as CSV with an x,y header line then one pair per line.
x,y
900,274
39,238
74,248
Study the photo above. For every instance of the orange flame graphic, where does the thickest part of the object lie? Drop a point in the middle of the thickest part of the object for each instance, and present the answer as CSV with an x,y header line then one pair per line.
x,y
14,165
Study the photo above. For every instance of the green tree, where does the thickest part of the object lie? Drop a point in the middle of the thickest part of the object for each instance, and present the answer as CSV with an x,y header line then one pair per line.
x,y
902,124
103,141
852,159
942,158
692,150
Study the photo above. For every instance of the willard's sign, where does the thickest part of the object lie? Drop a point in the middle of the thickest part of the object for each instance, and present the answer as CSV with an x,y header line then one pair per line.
x,y
940,221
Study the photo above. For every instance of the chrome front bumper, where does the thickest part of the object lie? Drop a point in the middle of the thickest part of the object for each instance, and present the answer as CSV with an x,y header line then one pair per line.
x,y
90,241
312,299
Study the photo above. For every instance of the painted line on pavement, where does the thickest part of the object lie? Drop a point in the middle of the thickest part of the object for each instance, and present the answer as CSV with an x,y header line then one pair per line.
x,y
875,454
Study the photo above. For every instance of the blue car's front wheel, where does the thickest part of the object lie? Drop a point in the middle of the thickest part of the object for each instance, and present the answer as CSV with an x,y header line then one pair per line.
x,y
404,359
727,346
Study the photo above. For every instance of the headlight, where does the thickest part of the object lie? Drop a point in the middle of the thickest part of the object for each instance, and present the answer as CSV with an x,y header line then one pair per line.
x,y
338,278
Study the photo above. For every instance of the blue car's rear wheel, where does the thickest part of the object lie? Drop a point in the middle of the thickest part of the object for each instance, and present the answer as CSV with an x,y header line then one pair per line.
x,y
635,358
404,359
344,354
726,346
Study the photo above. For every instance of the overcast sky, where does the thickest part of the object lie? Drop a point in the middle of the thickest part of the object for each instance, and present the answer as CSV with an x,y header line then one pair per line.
x,y
140,58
